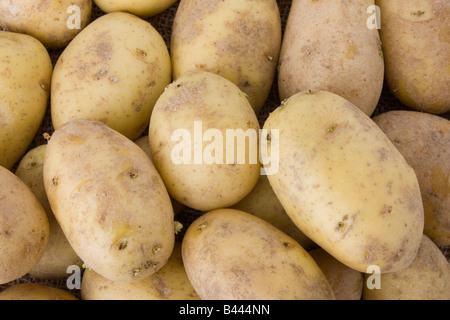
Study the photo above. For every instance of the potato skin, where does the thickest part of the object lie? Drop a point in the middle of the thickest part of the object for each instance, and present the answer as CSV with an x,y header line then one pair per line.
x,y
219,105
46,21
59,254
113,71
344,184
328,46
109,200
169,283
427,278
25,75
424,140
24,228
233,255
35,291
239,40
140,8
416,74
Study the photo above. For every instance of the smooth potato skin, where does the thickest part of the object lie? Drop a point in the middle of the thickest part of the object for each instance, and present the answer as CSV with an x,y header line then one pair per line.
x,y
109,200
34,292
427,278
233,255
24,228
59,254
344,184
328,46
44,20
239,40
113,71
424,140
416,44
25,76
141,8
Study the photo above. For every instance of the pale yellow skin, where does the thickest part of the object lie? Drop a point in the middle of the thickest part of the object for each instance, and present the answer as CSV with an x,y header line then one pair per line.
x,y
113,71
141,8
424,141
263,203
219,104
328,46
169,283
59,254
45,20
233,255
24,228
109,200
428,278
416,42
35,292
347,283
25,75
239,40
344,184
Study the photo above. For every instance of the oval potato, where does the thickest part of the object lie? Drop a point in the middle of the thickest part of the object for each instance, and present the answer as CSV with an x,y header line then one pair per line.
x,y
344,184
141,8
109,200
34,292
113,71
233,255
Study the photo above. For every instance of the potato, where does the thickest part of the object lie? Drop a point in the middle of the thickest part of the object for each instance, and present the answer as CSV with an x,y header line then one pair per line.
x,y
424,141
347,283
59,254
113,71
188,129
416,44
344,184
35,291
24,228
263,203
328,46
428,278
109,200
25,75
54,23
141,8
239,40
233,255
169,283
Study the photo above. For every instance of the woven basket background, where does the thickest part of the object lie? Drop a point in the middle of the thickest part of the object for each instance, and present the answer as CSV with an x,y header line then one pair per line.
x,y
163,23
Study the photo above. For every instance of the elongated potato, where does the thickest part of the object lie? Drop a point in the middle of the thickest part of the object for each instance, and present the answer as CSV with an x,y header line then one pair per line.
x,y
25,75
34,292
109,200
24,228
344,184
239,40
233,255
141,8
327,45
416,44
424,141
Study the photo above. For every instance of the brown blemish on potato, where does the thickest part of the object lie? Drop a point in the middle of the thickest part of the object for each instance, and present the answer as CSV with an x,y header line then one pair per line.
x,y
346,225
101,73
55,181
352,50
387,210
123,245
161,286
202,226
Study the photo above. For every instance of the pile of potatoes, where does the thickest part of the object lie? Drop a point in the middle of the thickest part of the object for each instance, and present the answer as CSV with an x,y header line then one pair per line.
x,y
358,208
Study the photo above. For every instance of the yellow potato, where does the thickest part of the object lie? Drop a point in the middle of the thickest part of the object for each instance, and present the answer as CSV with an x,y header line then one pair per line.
x,y
35,291
344,184
424,141
347,283
113,71
169,283
428,278
109,200
54,23
59,254
328,46
263,203
416,44
24,228
25,75
239,40
189,145
141,8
